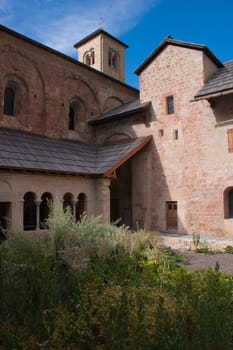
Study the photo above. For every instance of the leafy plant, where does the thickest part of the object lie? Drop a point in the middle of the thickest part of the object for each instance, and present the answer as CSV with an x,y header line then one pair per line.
x,y
91,286
196,240
228,249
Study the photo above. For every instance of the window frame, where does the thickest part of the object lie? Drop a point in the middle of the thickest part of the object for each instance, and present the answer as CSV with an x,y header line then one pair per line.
x,y
170,106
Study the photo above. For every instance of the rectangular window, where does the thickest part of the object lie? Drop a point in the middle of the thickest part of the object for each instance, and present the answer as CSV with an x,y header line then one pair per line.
x,y
230,140
170,104
176,134
161,132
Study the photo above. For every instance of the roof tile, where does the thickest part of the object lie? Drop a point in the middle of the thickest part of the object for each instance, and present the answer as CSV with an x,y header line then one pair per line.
x,y
220,81
21,150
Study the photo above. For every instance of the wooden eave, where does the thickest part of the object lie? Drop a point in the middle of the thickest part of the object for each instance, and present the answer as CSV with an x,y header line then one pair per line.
x,y
111,173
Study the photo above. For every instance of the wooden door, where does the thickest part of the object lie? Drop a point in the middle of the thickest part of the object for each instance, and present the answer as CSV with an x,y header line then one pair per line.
x,y
171,215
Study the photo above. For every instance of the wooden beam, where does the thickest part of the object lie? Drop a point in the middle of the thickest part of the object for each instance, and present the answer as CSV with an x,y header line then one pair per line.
x,y
112,171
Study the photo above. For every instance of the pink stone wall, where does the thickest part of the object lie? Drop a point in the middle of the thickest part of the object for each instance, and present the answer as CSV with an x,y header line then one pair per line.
x,y
47,84
195,169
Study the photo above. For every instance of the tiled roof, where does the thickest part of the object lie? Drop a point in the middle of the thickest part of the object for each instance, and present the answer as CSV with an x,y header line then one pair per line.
x,y
94,34
24,151
220,81
121,111
170,41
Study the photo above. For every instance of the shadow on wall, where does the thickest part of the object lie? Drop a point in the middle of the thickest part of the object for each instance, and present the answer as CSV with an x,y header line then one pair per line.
x,y
140,195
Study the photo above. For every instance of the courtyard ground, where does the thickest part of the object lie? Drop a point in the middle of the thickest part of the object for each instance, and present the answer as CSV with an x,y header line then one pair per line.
x,y
200,261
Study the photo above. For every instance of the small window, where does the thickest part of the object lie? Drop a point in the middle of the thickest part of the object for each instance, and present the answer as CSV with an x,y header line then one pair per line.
x,y
88,60
71,119
92,57
89,57
112,59
230,201
230,140
170,104
9,100
161,132
176,134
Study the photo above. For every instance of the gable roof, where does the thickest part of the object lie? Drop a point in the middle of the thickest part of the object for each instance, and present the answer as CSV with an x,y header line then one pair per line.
x,y
122,111
221,82
170,41
96,33
25,151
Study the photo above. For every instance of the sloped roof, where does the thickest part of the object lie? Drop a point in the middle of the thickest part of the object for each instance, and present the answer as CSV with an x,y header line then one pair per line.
x,y
24,151
170,41
96,33
118,112
220,81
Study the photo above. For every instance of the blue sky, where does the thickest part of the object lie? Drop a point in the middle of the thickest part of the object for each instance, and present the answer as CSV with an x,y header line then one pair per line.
x,y
142,24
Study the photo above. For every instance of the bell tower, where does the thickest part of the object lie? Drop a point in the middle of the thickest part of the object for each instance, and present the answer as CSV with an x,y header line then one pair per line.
x,y
104,52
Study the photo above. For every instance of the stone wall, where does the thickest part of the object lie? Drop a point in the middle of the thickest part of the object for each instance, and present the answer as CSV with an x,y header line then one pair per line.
x,y
46,85
13,187
194,169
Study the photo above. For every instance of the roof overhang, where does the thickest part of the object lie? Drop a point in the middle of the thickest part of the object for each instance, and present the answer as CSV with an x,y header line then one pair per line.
x,y
128,109
26,152
111,172
213,95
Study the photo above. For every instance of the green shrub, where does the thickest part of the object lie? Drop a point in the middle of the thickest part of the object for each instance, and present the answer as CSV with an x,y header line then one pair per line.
x,y
229,249
90,286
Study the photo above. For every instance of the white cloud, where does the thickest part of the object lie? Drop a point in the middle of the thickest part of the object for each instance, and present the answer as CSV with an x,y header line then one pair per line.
x,y
78,21
60,24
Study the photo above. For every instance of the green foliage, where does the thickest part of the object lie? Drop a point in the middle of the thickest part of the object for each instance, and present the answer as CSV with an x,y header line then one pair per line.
x,y
229,249
90,286
196,240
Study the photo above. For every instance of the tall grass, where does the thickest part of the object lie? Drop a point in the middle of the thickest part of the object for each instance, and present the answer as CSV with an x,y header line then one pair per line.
x,y
88,285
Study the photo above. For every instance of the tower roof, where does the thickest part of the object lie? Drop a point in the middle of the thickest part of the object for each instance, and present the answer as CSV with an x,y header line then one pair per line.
x,y
170,41
96,33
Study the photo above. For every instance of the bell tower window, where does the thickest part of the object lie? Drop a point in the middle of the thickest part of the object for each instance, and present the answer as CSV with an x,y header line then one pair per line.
x,y
89,57
112,59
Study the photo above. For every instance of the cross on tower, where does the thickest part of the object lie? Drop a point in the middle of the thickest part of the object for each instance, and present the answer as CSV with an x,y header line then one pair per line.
x,y
101,22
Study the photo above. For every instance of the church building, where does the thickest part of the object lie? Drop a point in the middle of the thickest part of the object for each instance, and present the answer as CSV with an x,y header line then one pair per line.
x,y
73,131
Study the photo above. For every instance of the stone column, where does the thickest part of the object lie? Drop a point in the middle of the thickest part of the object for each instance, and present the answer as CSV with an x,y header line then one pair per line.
x,y
74,203
103,199
37,203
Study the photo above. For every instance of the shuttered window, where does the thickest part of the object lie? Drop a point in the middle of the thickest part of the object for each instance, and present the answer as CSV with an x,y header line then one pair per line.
x,y
230,140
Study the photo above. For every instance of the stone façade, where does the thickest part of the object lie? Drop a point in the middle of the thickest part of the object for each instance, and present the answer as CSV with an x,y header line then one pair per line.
x,y
187,163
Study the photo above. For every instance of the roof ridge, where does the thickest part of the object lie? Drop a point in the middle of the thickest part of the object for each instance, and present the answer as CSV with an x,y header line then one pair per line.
x,y
170,41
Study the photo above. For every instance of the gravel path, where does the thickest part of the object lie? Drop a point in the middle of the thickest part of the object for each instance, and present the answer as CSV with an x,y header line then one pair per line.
x,y
201,261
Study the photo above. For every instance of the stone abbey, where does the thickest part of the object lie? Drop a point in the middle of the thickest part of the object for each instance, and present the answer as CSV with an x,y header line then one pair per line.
x,y
73,131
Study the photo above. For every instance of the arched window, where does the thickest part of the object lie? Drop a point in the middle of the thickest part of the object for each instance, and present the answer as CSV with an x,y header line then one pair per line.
x,y
71,118
81,206
29,211
88,60
230,203
45,207
92,57
77,113
9,101
68,201
89,57
112,59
